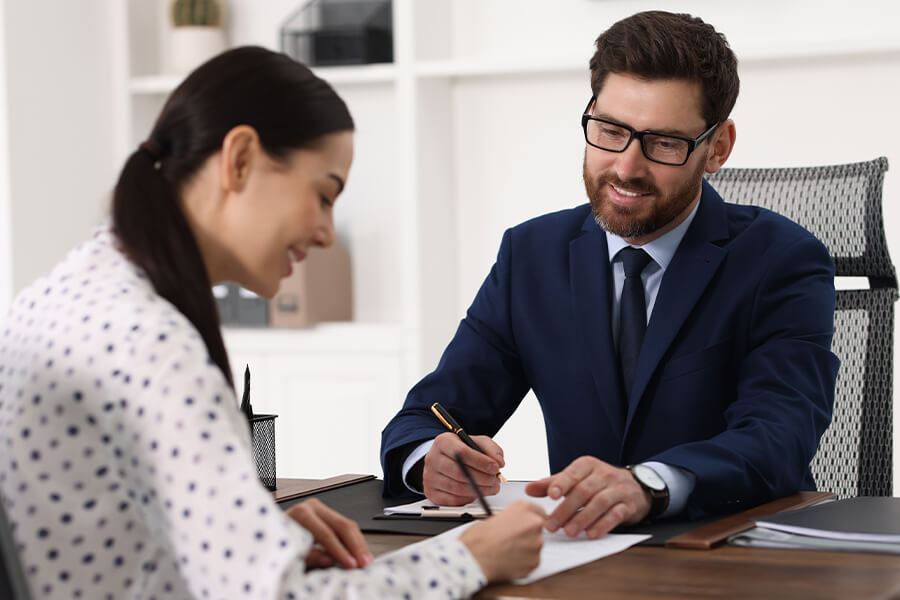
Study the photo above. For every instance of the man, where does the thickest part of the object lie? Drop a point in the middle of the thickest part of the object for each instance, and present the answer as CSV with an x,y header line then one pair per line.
x,y
679,346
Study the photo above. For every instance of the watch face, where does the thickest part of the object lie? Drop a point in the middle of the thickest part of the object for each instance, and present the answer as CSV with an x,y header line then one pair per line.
x,y
649,477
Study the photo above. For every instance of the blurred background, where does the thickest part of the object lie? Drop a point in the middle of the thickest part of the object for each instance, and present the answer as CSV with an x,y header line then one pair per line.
x,y
469,127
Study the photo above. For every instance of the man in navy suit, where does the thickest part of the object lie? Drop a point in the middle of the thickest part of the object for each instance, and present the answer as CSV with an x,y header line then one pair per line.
x,y
679,346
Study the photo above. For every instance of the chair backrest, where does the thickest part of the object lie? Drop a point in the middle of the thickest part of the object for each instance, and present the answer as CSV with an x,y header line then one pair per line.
x,y
841,205
12,580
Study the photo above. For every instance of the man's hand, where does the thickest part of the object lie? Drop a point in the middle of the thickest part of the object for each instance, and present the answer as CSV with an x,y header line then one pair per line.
x,y
444,482
598,497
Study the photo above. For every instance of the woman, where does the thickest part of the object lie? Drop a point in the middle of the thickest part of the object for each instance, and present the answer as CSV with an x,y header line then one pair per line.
x,y
127,470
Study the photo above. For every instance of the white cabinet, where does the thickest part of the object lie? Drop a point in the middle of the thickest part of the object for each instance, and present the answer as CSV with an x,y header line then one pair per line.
x,y
333,388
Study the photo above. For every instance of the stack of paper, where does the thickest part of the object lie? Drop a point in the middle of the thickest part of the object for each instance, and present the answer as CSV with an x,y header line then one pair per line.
x,y
864,524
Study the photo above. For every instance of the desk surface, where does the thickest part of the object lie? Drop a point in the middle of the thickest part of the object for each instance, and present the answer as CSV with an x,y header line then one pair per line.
x,y
727,572
658,572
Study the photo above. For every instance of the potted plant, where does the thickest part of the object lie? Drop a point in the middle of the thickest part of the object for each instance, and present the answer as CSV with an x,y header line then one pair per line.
x,y
197,35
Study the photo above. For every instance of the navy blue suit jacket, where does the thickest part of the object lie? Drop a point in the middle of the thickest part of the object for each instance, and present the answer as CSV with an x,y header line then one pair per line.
x,y
734,382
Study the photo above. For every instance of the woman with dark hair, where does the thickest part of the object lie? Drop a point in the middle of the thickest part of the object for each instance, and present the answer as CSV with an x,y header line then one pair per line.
x,y
127,469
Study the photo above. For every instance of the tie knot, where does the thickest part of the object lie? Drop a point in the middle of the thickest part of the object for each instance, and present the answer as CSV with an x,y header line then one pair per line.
x,y
634,260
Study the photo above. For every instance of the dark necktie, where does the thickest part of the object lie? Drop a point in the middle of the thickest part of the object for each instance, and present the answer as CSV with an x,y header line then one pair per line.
x,y
632,313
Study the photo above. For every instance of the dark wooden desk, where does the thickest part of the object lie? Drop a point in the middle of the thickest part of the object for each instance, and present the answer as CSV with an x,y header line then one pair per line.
x,y
726,572
657,572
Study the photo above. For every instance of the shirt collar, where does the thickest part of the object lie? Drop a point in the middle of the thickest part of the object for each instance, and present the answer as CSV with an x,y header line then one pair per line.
x,y
662,249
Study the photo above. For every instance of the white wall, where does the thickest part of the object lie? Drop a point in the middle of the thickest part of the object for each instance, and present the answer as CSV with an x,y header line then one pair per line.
x,y
6,288
59,137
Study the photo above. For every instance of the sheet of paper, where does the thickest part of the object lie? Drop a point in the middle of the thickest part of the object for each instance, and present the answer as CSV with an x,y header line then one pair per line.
x,y
561,553
509,493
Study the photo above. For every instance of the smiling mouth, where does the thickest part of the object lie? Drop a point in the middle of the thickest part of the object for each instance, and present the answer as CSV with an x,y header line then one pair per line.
x,y
296,255
628,193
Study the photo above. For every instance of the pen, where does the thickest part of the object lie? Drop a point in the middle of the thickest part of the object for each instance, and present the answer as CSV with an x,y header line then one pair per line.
x,y
246,408
474,487
450,423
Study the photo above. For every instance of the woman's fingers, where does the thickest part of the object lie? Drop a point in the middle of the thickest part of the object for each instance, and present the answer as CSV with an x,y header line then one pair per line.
x,y
318,559
339,536
349,534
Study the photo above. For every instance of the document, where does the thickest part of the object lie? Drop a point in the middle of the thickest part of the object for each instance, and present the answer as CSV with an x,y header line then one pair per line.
x,y
863,519
560,552
759,537
509,493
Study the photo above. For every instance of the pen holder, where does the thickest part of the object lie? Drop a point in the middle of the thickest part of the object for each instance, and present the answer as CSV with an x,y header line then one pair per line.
x,y
263,428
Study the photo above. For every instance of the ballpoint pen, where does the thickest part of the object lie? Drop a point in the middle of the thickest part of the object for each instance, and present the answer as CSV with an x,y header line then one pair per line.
x,y
450,423
473,485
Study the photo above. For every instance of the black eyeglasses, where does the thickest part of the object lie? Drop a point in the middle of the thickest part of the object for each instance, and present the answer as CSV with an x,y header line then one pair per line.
x,y
660,148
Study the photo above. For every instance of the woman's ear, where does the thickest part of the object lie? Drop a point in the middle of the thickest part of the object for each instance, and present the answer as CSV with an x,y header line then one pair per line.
x,y
239,149
722,144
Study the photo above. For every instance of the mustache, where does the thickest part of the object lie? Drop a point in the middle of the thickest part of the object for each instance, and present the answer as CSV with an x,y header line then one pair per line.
x,y
637,186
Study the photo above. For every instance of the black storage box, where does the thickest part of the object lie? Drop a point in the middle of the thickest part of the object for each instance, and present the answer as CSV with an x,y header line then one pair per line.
x,y
340,32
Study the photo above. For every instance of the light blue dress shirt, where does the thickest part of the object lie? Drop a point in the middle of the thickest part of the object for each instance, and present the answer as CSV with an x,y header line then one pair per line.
x,y
679,481
661,250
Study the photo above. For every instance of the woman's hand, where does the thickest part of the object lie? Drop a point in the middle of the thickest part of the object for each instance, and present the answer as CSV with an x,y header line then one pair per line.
x,y
508,545
338,538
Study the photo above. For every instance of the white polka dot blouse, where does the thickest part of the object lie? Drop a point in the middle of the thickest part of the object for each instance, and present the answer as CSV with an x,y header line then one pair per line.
x,y
126,469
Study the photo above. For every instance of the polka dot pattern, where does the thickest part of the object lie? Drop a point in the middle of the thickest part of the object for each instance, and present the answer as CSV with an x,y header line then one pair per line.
x,y
126,468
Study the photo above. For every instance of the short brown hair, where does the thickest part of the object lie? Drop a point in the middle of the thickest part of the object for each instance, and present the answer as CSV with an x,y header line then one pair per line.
x,y
662,45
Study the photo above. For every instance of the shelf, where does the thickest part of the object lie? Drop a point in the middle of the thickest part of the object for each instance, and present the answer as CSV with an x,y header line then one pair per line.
x,y
382,73
475,68
487,68
154,84
322,338
379,73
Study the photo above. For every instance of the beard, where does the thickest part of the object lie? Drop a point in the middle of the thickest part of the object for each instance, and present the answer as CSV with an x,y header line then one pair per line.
x,y
628,222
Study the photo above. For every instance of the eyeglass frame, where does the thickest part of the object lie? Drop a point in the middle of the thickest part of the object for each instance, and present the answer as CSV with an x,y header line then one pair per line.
x,y
634,133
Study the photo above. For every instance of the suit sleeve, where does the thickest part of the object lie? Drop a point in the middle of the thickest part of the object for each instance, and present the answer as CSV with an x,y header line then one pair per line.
x,y
785,390
479,378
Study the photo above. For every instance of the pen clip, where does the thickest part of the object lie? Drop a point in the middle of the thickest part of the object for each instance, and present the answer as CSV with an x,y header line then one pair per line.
x,y
444,417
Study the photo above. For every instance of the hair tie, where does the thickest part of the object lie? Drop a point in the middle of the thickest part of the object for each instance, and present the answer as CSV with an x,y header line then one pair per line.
x,y
151,148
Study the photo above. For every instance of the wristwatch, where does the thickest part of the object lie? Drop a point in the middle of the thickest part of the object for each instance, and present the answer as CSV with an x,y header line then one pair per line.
x,y
654,485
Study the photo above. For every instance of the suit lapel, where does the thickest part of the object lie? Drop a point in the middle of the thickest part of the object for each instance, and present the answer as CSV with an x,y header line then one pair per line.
x,y
684,282
591,283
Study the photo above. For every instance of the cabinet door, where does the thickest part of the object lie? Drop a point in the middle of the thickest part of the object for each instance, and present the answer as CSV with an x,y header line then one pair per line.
x,y
331,409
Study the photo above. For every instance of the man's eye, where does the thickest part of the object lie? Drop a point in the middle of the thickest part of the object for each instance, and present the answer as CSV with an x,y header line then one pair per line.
x,y
326,201
612,133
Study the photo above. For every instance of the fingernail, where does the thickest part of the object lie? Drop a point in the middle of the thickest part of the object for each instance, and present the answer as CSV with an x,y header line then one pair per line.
x,y
555,492
552,525
353,563
368,558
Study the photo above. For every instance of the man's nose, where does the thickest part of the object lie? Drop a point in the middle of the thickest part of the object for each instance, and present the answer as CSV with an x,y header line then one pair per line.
x,y
631,163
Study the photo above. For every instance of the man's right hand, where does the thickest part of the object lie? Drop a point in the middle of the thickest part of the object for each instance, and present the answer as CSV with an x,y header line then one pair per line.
x,y
444,482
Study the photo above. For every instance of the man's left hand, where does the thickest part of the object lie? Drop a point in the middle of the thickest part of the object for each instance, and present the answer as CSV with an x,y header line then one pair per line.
x,y
598,497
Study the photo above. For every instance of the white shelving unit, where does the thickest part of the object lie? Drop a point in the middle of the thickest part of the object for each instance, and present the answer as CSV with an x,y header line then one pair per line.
x,y
473,128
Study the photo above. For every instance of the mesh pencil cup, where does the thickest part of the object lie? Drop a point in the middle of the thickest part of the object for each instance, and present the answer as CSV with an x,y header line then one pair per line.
x,y
263,429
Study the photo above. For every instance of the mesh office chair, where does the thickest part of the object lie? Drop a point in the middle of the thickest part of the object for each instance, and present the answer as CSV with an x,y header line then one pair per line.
x,y
841,205
12,581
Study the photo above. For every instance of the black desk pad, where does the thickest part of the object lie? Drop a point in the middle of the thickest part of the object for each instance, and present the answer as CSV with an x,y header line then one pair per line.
x,y
363,503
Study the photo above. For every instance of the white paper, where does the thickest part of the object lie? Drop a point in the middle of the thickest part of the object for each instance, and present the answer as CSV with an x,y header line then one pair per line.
x,y
561,553
509,493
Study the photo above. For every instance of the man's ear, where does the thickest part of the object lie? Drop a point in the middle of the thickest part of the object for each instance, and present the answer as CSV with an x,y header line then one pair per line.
x,y
722,144
239,149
